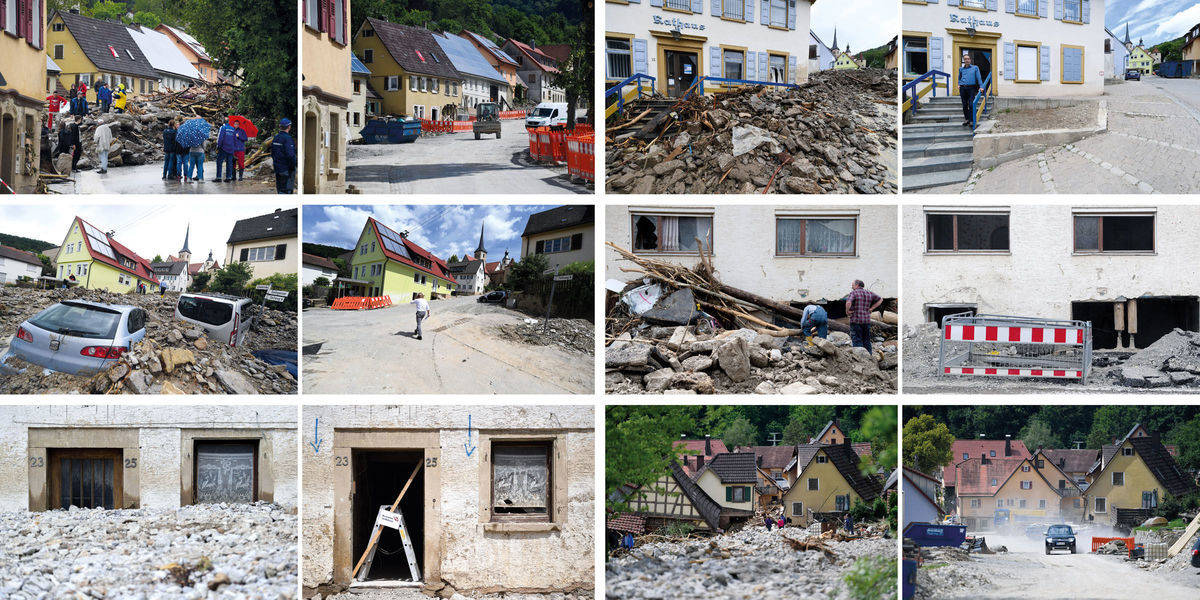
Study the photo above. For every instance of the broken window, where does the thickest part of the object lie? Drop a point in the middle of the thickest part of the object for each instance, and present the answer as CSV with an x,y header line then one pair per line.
x,y
85,478
842,503
815,237
966,232
1114,233
1118,478
656,233
812,484
226,472
521,481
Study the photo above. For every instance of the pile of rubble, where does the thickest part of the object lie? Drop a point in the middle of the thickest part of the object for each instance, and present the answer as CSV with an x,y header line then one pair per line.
x,y
682,330
751,563
137,135
198,551
172,358
834,134
1171,361
446,591
576,335
1114,547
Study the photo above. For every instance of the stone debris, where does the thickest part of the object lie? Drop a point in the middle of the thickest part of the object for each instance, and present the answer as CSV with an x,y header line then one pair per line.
x,y
195,552
447,592
575,335
833,134
173,358
751,563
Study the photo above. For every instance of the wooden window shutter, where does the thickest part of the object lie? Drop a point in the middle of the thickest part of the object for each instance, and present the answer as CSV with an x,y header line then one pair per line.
x,y
21,20
245,256
345,21
4,13
729,494
280,251
576,241
323,15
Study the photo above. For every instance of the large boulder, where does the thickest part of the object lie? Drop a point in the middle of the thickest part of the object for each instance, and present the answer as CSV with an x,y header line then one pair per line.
x,y
734,358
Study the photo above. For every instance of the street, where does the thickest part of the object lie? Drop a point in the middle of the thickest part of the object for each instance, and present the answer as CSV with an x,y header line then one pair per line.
x,y
147,179
457,163
1025,571
374,352
1151,146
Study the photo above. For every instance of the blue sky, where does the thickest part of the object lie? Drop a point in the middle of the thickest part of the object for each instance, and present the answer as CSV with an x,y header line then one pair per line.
x,y
441,229
1154,21
864,24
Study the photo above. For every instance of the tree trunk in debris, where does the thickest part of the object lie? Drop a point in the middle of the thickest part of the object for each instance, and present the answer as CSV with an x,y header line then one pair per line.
x,y
789,312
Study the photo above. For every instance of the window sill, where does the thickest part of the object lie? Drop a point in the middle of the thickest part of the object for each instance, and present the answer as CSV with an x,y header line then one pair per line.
x,y
677,10
968,252
974,8
778,27
1072,22
1027,81
1025,16
733,20
1115,253
667,253
507,527
816,256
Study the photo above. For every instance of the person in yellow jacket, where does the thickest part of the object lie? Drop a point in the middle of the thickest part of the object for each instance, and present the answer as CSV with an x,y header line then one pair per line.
x,y
119,98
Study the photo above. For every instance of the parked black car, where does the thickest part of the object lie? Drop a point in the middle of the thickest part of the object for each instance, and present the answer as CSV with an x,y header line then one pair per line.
x,y
1060,537
497,296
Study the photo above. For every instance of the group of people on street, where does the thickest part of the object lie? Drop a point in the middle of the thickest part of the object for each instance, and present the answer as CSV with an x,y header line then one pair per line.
x,y
77,105
860,303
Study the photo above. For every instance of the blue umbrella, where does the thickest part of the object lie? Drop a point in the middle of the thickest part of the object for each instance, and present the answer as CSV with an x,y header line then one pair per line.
x,y
192,132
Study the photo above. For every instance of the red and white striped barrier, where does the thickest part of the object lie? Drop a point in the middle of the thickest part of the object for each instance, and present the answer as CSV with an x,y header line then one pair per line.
x,y
1006,372
1022,335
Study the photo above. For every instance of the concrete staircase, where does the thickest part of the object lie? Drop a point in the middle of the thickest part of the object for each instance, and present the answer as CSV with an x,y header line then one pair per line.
x,y
937,147
657,105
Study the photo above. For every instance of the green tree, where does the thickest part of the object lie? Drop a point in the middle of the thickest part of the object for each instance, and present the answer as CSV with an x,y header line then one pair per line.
x,y
524,274
1111,422
342,266
1186,437
146,19
321,282
200,281
806,421
47,265
575,77
1037,434
879,428
232,278
157,258
741,432
453,258
927,444
639,445
106,10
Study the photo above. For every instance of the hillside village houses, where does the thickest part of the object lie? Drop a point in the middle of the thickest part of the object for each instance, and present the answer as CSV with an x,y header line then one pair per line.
x,y
177,271
1140,59
22,89
267,242
677,41
1115,266
536,70
89,50
17,264
387,263
470,273
481,82
1028,489
501,61
409,69
174,70
326,87
1030,48
1136,472
193,51
565,235
94,260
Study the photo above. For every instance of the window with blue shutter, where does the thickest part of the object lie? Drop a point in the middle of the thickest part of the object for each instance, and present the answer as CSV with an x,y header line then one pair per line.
x,y
751,66
791,77
656,2
698,7
640,55
764,70
748,10
1072,65
1045,54
791,14
714,61
992,5
1010,61
1043,7
954,2
1087,11
1058,10
1010,6
936,60
716,8
765,18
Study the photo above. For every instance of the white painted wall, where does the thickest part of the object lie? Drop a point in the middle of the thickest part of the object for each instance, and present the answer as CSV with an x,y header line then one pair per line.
x,y
310,273
744,251
1042,275
917,508
11,269
936,17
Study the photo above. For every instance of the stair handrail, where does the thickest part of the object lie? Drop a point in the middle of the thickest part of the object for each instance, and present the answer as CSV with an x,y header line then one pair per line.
x,y
910,88
699,84
615,89
979,102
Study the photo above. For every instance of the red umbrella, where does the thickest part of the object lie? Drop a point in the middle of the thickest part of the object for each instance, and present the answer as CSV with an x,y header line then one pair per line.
x,y
245,124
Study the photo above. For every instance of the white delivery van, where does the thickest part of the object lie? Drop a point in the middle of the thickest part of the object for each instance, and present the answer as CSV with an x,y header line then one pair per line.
x,y
548,114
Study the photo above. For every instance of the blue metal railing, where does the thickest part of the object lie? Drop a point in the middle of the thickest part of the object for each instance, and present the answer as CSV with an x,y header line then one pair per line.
x,y
910,89
980,96
698,85
616,89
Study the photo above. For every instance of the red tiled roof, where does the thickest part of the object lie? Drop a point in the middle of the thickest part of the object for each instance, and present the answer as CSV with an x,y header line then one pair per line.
x,y
141,266
20,255
438,269
195,267
697,446
627,523
771,457
1073,460
490,268
539,58
559,52
978,448
320,261
862,449
974,477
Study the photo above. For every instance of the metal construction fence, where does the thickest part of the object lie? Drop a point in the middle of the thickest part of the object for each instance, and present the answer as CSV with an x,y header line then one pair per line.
x,y
1007,346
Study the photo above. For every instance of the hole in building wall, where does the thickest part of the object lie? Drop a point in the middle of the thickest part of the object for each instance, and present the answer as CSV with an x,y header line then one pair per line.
x,y
379,475
935,312
1105,335
1156,317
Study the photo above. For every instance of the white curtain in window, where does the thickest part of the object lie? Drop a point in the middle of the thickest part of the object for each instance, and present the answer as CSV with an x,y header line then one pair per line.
x,y
668,233
787,236
833,236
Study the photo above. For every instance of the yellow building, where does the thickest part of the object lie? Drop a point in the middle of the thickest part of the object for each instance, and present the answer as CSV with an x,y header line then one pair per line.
x,y
326,87
1191,45
828,481
891,59
1136,472
89,50
1021,489
846,61
92,259
387,263
409,70
730,479
1140,60
565,234
832,434
268,243
22,98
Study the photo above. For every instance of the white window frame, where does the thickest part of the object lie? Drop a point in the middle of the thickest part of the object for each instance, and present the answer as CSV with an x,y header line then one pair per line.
x,y
393,83
1113,479
1097,502
260,254
1037,64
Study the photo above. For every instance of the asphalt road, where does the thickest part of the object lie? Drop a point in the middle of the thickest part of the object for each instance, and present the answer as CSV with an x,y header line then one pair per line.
x,y
147,179
457,163
374,352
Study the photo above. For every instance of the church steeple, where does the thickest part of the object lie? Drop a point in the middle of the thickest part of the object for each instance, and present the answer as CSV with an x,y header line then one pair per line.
x,y
185,254
480,252
1127,41
835,46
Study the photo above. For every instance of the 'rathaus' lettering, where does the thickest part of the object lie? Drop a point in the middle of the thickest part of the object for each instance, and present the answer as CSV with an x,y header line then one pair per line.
x,y
676,23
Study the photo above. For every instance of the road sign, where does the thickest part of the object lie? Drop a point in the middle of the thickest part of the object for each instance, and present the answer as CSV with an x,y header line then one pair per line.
x,y
563,277
550,272
262,287
277,296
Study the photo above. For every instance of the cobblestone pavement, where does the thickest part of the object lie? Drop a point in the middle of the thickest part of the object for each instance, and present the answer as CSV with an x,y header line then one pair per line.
x,y
1152,146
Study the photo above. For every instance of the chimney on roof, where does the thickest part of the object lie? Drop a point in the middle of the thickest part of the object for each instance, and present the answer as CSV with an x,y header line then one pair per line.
x,y
708,445
1007,445
699,463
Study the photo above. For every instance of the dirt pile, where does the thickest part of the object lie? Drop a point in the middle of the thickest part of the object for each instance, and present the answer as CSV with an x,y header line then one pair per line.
x,y
834,134
173,357
1171,361
576,335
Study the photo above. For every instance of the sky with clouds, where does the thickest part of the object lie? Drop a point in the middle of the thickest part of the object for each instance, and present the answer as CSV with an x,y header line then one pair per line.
x,y
864,24
144,228
1155,21
441,229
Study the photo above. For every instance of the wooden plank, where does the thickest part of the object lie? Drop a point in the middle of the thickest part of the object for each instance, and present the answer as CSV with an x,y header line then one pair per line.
x,y
1183,540
375,534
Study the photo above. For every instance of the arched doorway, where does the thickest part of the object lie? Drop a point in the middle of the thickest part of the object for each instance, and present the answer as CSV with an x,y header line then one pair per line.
x,y
312,150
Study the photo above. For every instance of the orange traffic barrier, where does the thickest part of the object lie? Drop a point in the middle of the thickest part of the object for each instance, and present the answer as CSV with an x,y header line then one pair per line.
x,y
1100,541
512,114
581,156
361,303
550,145
461,126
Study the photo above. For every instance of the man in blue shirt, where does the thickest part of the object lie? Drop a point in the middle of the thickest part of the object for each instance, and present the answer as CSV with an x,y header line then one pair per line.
x,y
969,82
283,157
815,317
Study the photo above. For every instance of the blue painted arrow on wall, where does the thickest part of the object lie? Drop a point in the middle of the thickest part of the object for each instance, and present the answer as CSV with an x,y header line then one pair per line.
x,y
316,443
469,447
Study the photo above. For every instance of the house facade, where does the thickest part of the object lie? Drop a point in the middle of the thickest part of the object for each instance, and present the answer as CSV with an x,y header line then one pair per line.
x,y
677,41
516,514
364,102
193,51
313,267
470,274
731,480
812,256
269,243
1116,56
148,456
90,50
1116,266
175,71
993,491
17,264
820,57
920,498
499,59
1029,48
409,70
326,87
387,263
846,61
22,92
1191,47
828,480
1135,473
962,450
1140,60
99,262
565,235
535,71
481,82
